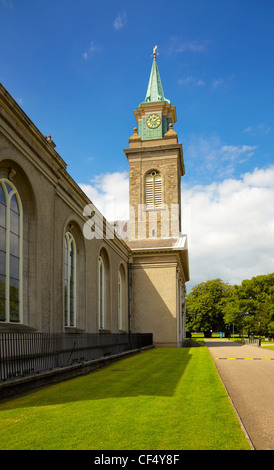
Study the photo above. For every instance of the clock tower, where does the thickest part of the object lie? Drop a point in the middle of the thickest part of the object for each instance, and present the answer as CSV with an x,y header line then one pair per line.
x,y
155,166
159,255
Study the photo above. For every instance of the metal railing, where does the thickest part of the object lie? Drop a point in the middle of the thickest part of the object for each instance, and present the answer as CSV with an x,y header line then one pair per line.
x,y
22,354
252,340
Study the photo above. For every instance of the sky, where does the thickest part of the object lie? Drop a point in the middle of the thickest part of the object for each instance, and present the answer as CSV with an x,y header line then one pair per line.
x,y
80,69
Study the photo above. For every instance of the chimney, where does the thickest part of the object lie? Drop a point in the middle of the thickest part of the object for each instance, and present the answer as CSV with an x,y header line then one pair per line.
x,y
51,141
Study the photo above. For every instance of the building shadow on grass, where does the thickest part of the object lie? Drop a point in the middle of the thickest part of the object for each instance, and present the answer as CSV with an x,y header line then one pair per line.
x,y
152,373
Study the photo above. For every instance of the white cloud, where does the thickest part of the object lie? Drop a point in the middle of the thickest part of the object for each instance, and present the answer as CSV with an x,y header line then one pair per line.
x,y
191,81
261,177
237,152
232,227
120,21
212,83
230,224
211,156
109,193
178,47
217,82
93,47
260,129
200,82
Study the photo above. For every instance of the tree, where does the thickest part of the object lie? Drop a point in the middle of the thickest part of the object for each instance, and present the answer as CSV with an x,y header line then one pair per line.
x,y
204,306
215,305
256,297
233,312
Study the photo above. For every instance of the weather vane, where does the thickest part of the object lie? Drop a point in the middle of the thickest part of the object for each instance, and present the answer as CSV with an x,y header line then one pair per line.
x,y
155,53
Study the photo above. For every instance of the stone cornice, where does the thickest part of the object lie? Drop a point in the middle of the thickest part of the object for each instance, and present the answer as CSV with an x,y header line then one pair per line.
x,y
160,107
166,150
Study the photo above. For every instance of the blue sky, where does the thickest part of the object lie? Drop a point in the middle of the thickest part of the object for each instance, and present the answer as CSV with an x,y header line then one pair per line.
x,y
79,69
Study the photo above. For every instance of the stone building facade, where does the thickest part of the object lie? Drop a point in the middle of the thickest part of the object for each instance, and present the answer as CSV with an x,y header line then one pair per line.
x,y
62,267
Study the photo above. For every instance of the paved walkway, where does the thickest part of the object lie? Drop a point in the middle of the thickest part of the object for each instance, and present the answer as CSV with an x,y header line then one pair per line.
x,y
248,375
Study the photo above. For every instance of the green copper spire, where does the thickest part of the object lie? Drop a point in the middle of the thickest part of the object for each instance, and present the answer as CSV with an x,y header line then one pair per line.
x,y
155,90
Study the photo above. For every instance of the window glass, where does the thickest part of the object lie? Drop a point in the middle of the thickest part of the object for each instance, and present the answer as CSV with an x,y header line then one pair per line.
x,y
14,311
2,239
14,204
2,196
10,253
69,280
2,309
2,207
14,222
14,289
101,293
14,244
120,301
14,267
66,282
2,297
3,263
72,293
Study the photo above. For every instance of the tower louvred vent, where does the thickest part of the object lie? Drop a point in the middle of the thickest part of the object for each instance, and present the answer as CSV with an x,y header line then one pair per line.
x,y
153,188
158,191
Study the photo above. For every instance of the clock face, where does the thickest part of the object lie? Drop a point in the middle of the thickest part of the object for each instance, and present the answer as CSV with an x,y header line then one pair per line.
x,y
153,121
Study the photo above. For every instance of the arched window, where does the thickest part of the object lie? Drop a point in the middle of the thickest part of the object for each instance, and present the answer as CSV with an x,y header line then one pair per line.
x,y
101,292
120,301
153,190
70,281
11,253
122,297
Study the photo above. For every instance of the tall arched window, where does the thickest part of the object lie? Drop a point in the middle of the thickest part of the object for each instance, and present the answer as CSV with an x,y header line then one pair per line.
x,y
122,295
101,292
70,281
120,301
11,253
153,190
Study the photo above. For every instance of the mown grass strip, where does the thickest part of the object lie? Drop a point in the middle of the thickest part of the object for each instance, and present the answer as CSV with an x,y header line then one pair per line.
x,y
163,399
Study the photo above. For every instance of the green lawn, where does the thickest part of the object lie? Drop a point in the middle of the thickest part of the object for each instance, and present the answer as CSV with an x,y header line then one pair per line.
x,y
162,399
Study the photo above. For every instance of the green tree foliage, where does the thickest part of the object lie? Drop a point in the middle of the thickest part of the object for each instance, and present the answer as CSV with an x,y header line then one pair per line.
x,y
254,301
249,307
204,306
